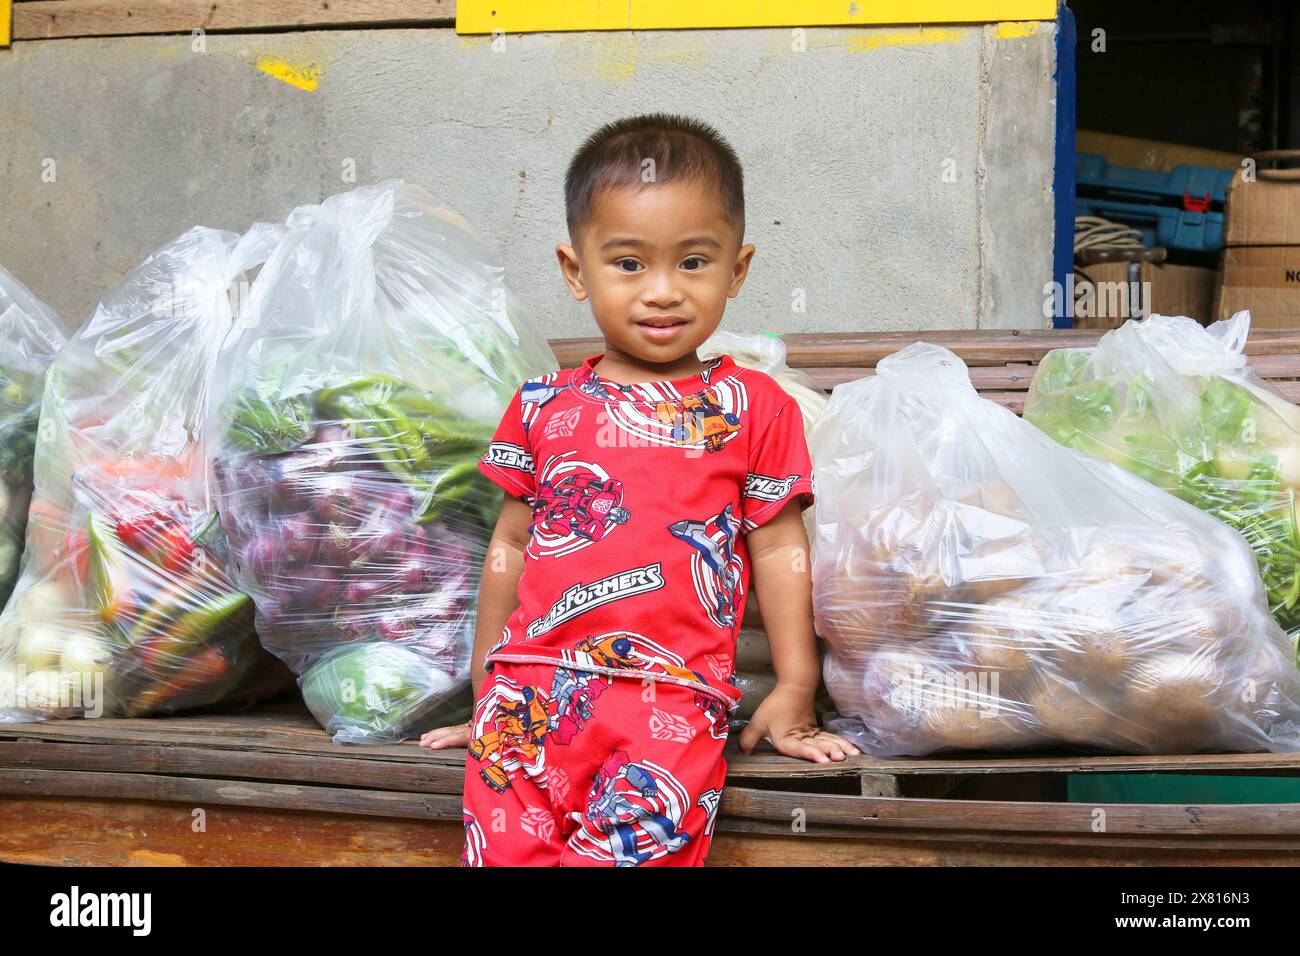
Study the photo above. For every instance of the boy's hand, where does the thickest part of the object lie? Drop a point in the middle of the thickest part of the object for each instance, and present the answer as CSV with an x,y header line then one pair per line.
x,y
442,737
787,721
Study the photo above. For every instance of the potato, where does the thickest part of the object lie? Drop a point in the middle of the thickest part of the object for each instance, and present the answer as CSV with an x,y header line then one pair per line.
x,y
1001,635
1091,648
1065,713
855,615
1180,695
1002,725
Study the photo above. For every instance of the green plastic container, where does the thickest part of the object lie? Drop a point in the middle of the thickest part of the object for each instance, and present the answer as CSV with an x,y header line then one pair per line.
x,y
1181,788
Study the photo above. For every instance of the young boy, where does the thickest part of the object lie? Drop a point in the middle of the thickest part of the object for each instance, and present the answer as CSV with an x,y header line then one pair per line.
x,y
641,491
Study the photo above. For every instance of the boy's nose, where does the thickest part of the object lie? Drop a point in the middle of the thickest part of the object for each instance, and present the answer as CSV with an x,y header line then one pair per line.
x,y
661,290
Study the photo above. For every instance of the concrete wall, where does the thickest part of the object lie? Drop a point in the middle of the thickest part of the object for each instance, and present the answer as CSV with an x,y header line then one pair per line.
x,y
900,177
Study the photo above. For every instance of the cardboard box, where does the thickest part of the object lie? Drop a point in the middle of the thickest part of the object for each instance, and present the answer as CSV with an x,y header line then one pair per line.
x,y
1168,290
1265,212
1263,279
1150,153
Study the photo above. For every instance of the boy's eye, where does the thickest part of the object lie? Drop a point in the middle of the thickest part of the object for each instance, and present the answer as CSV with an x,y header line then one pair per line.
x,y
623,262
699,260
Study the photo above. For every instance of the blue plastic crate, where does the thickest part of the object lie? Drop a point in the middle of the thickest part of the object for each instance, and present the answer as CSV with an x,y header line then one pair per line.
x,y
1180,187
1177,229
1181,209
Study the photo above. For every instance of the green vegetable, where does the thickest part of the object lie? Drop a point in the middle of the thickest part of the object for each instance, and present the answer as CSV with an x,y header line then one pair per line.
x,y
265,427
373,692
1222,444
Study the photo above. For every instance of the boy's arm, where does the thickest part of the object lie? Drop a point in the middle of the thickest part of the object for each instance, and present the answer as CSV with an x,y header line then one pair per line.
x,y
781,572
780,569
498,590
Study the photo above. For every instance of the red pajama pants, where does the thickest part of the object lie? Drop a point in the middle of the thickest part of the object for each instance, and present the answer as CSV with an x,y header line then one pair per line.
x,y
573,768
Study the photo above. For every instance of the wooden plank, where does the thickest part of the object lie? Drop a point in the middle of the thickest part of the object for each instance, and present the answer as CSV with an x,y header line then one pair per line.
x,y
283,727
769,764
71,831
1255,821
523,16
49,19
89,832
204,792
864,349
1001,848
286,728
1003,816
329,769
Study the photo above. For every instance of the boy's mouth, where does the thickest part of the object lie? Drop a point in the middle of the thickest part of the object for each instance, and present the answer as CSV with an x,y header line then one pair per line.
x,y
661,328
661,322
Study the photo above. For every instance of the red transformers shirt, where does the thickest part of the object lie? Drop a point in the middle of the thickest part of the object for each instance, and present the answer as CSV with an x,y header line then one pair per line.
x,y
641,497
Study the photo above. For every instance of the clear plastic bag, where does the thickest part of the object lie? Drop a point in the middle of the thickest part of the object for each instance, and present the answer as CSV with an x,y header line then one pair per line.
x,y
1179,405
385,348
122,607
981,587
30,336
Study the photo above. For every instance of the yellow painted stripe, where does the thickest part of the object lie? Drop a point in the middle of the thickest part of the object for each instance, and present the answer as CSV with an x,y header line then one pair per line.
x,y
1015,31
922,36
305,76
523,16
6,19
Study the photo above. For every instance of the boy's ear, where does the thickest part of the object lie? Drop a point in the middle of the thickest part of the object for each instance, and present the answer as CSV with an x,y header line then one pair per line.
x,y
741,270
571,271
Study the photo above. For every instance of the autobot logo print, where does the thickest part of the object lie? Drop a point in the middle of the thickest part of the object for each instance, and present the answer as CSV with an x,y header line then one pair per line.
x,y
577,504
509,725
563,424
715,566
765,488
474,842
703,422
633,812
584,597
505,455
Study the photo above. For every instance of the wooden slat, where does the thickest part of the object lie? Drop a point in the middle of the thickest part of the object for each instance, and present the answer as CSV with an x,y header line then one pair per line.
x,y
772,765
999,816
72,831
87,832
1159,824
203,791
337,769
286,729
50,19
1004,848
279,728
250,744
865,349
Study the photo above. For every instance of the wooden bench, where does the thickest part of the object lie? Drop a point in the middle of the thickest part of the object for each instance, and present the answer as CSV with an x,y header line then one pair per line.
x,y
267,787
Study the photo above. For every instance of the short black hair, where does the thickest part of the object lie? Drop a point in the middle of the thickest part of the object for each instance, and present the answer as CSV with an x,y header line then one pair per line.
x,y
683,150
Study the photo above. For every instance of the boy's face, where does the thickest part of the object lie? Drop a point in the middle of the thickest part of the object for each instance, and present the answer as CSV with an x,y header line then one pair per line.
x,y
664,253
